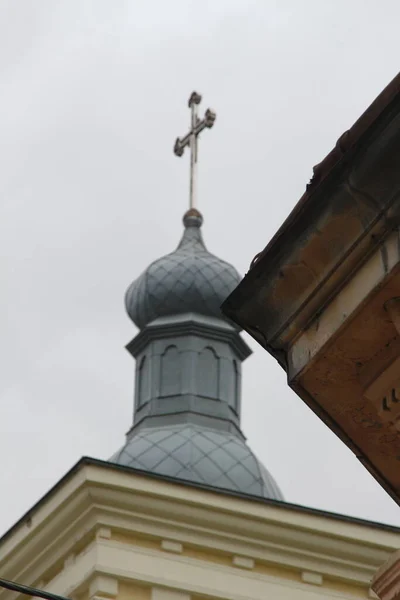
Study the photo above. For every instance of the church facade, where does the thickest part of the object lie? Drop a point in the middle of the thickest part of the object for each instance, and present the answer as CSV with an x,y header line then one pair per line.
x,y
184,510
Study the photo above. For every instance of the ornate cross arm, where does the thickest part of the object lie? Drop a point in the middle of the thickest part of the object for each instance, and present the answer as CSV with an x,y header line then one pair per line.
x,y
190,139
207,122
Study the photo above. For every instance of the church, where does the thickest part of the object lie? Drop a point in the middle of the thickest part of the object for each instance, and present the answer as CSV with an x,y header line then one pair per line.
x,y
184,510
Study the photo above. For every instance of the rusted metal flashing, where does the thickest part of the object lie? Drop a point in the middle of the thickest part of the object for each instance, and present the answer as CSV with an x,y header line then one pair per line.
x,y
324,213
347,141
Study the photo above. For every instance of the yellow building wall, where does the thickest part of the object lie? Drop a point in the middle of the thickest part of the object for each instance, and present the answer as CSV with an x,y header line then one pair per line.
x,y
115,536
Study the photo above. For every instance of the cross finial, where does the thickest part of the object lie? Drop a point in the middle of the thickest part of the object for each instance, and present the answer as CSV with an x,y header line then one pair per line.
x,y
190,140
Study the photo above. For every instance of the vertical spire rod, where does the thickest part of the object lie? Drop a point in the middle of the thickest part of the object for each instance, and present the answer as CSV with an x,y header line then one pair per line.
x,y
190,140
193,155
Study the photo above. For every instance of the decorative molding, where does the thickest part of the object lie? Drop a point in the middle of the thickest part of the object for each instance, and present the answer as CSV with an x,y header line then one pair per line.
x,y
71,502
35,558
243,562
103,533
284,542
384,393
170,546
158,593
222,333
137,520
386,583
312,578
103,586
167,512
80,573
189,575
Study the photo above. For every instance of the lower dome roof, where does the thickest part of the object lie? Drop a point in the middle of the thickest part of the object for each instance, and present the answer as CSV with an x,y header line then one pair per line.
x,y
199,455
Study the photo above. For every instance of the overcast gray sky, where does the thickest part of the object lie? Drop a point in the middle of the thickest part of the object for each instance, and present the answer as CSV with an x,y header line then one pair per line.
x,y
93,94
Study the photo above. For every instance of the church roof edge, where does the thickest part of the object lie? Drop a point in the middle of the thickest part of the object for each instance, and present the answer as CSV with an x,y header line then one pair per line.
x,y
88,461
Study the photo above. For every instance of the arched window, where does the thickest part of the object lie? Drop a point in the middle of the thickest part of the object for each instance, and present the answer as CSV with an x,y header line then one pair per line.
x,y
236,376
143,382
208,373
170,383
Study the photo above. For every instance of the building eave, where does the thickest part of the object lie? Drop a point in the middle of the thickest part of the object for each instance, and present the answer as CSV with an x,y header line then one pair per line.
x,y
333,265
299,233
24,523
345,146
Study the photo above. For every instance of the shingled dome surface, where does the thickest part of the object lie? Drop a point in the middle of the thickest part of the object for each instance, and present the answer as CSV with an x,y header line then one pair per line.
x,y
187,407
199,455
190,279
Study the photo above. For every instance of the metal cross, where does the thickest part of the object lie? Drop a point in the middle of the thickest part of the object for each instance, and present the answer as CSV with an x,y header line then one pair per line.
x,y
190,140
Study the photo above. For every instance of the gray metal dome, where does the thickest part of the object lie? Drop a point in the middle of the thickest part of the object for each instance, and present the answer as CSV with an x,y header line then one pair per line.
x,y
189,280
199,455
187,406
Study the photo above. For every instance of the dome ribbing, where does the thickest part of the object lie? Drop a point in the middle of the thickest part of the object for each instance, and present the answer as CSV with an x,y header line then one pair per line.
x,y
188,280
199,455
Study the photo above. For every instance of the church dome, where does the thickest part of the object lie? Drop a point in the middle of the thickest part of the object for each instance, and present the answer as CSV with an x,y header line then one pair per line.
x,y
187,405
188,280
199,455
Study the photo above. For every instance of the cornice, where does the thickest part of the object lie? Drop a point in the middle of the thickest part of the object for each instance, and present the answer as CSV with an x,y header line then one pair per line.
x,y
279,543
193,518
386,582
190,575
189,326
64,530
265,552
99,471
